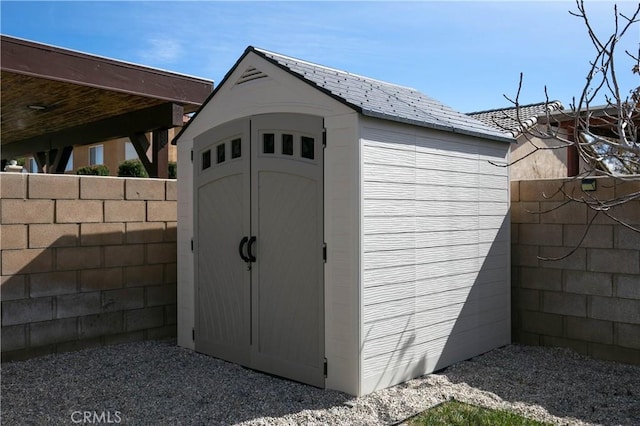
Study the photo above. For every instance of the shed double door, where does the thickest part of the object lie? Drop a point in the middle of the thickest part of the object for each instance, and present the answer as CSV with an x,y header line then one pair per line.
x,y
259,244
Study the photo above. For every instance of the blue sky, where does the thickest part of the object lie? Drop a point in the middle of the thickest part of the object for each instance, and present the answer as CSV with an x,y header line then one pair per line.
x,y
465,54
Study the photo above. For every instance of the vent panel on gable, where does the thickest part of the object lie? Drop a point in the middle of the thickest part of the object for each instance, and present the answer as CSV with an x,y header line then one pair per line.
x,y
250,74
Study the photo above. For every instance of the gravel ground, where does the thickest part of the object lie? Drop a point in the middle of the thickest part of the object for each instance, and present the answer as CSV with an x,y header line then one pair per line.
x,y
158,383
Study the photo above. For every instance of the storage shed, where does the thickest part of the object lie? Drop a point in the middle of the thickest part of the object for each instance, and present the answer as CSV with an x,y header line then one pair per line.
x,y
338,230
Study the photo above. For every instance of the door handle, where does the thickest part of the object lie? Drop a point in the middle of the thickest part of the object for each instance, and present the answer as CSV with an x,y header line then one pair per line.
x,y
252,257
243,242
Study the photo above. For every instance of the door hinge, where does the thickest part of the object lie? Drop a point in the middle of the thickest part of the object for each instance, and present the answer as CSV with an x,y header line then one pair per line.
x,y
326,368
193,334
324,138
192,156
192,244
324,252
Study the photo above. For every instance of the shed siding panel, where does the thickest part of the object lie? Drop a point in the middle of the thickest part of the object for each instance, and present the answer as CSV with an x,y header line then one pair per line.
x,y
434,250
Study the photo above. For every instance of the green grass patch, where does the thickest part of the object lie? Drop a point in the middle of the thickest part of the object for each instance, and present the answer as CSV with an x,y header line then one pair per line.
x,y
458,413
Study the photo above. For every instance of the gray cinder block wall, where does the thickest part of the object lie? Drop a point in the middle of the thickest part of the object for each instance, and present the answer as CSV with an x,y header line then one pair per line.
x,y
589,301
86,261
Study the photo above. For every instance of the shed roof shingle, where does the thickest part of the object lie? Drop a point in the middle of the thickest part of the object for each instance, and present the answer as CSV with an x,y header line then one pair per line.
x,y
384,100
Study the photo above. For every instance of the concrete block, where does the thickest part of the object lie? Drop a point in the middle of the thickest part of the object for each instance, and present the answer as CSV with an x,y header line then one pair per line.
x,y
542,190
615,353
100,325
13,237
628,335
171,190
116,339
122,299
522,255
28,353
26,211
162,211
541,279
515,234
144,189
13,338
101,188
79,211
581,282
171,273
171,232
28,261
54,187
78,345
145,232
628,213
24,311
124,255
77,305
615,309
144,275
13,287
542,323
522,298
627,286
525,212
53,235
101,279
626,238
141,319
171,314
605,189
564,303
563,258
13,185
556,212
524,338
598,236
101,234
614,260
589,330
166,332
626,187
124,211
68,258
53,284
514,191
561,342
161,295
56,331
540,234
162,253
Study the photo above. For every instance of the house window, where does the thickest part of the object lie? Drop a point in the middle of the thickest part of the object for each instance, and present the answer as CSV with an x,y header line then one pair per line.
x,y
69,167
96,155
130,152
33,166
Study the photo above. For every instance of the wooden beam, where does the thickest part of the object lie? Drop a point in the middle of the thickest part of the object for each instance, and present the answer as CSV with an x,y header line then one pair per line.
x,y
163,116
141,144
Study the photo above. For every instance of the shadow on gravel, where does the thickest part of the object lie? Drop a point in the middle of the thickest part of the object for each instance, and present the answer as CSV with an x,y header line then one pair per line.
x,y
153,383
561,381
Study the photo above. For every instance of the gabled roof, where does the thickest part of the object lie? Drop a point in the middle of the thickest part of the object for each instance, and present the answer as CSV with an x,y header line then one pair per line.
x,y
377,98
516,120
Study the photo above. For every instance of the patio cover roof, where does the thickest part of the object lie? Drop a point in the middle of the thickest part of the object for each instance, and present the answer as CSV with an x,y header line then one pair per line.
x,y
52,98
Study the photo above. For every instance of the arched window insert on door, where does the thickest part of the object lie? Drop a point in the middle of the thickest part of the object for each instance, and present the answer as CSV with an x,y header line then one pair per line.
x,y
287,144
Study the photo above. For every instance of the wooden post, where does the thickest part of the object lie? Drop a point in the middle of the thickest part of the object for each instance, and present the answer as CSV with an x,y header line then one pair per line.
x,y
160,153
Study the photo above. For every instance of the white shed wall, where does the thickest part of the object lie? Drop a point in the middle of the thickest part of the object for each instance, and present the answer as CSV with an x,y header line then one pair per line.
x,y
435,250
